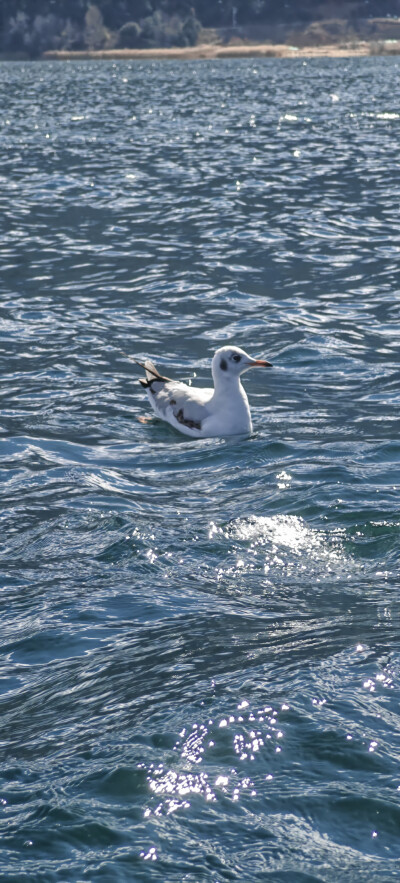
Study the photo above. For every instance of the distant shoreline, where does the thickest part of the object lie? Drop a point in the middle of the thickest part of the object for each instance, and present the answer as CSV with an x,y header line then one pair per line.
x,y
215,51
351,49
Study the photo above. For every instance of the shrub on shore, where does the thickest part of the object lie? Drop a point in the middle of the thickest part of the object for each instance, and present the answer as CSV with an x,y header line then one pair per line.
x,y
129,35
164,30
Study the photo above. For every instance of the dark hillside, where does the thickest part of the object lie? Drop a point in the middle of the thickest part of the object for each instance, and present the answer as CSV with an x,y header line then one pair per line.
x,y
31,27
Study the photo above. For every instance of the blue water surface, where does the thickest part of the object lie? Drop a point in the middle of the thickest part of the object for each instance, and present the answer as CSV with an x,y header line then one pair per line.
x,y
200,667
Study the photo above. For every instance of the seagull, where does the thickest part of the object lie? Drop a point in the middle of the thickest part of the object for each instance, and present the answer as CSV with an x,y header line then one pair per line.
x,y
205,412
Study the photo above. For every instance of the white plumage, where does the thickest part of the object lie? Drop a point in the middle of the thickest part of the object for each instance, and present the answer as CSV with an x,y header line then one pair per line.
x,y
203,413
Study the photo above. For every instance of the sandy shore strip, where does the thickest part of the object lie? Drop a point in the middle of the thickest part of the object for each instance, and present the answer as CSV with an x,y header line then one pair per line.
x,y
262,50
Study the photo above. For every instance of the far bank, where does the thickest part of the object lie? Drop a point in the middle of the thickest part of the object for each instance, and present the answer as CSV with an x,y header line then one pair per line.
x,y
258,50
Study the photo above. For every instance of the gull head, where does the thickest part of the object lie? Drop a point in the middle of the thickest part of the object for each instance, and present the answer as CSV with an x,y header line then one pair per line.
x,y
229,362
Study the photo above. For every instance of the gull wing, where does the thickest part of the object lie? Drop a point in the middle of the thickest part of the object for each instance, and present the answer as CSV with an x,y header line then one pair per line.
x,y
184,407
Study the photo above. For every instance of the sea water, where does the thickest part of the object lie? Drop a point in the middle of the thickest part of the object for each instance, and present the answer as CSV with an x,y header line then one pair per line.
x,y
200,666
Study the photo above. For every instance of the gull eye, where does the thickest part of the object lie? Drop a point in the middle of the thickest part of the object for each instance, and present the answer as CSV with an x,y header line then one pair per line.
x,y
236,357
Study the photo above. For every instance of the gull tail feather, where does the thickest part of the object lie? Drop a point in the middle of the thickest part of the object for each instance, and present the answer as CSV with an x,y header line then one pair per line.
x,y
152,373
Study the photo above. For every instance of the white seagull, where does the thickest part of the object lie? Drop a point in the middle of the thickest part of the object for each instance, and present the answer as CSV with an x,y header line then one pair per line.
x,y
204,413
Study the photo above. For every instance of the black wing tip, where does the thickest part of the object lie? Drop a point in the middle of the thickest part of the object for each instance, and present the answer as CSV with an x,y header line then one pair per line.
x,y
149,368
152,373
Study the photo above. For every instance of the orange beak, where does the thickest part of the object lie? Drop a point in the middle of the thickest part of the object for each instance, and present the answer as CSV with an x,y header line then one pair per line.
x,y
262,362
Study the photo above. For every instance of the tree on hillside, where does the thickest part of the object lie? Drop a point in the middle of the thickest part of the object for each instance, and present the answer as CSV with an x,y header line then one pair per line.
x,y
129,35
95,34
116,13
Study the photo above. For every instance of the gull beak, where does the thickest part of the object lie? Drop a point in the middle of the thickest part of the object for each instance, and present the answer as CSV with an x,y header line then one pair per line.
x,y
262,362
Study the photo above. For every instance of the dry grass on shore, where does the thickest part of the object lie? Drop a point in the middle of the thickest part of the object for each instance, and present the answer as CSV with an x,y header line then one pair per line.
x,y
262,50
